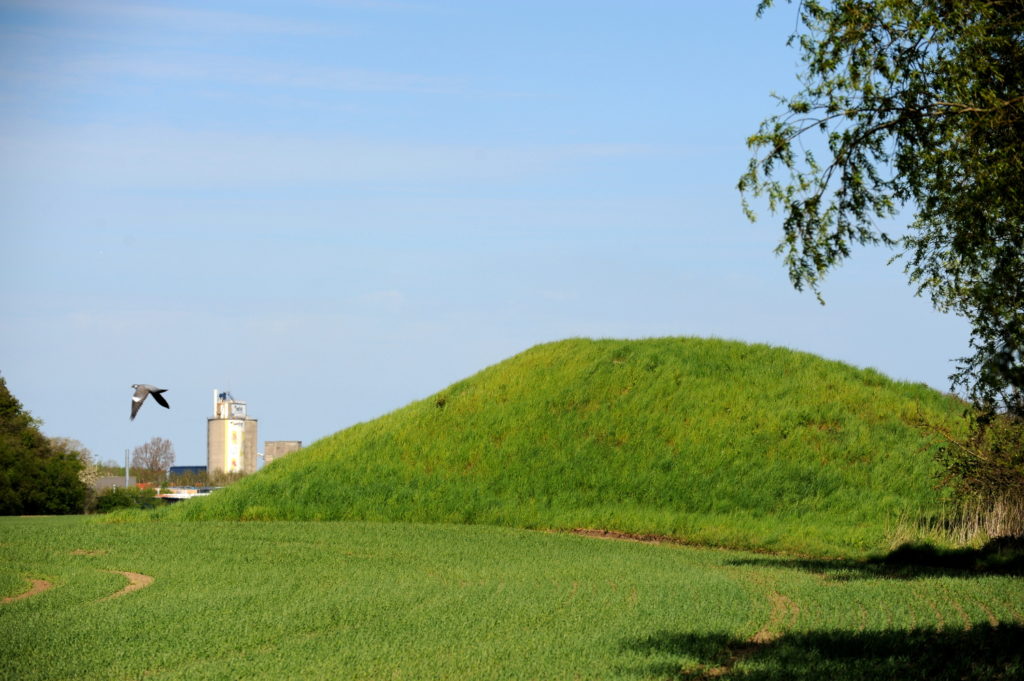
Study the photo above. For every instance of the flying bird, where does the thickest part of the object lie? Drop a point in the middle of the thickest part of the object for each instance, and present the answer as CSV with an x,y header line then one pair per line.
x,y
141,391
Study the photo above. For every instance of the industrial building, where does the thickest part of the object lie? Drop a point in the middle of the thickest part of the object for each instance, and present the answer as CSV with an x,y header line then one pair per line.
x,y
275,449
231,437
178,471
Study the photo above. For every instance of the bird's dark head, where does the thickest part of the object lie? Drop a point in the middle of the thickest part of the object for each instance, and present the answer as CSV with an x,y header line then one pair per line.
x,y
135,385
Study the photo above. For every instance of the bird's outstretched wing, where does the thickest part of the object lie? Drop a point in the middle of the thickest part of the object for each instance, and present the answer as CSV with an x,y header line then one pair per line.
x,y
137,399
160,398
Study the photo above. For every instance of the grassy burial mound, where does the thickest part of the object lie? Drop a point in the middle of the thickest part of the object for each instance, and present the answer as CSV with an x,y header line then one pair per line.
x,y
703,440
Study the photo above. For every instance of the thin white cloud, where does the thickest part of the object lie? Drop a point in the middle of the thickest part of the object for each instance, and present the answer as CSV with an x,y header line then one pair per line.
x,y
116,157
376,4
166,16
103,52
254,73
563,296
389,299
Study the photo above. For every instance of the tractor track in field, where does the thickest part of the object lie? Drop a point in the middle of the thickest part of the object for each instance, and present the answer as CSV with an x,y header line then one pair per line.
x,y
936,614
38,586
965,619
785,612
783,615
136,581
862,611
993,621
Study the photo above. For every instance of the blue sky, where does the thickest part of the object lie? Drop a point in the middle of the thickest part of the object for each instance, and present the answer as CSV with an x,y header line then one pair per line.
x,y
332,208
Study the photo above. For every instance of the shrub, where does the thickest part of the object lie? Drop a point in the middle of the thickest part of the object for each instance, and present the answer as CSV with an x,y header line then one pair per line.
x,y
985,471
126,497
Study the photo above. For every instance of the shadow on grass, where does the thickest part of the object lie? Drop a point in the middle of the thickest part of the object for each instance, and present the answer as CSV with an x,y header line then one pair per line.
x,y
983,652
1003,556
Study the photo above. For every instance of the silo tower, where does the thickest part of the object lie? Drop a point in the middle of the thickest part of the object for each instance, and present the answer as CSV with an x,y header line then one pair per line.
x,y
231,437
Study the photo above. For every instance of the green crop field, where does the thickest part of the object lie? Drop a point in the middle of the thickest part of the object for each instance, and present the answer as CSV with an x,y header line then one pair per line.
x,y
348,600
709,441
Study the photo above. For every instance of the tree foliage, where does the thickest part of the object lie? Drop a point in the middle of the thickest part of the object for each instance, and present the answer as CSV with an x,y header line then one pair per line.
x,y
152,460
89,474
917,104
35,477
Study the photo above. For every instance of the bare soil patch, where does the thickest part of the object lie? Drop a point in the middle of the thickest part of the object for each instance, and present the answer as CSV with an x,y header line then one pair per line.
x,y
784,613
38,587
136,581
625,536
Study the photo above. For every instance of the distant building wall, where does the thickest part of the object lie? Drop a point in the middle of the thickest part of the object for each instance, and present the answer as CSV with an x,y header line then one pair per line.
x,y
111,481
275,449
249,447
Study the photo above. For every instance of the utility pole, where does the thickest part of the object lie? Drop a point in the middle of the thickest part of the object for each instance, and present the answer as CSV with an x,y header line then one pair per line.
x,y
126,469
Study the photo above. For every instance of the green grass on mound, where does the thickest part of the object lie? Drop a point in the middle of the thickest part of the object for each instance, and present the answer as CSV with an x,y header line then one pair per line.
x,y
706,441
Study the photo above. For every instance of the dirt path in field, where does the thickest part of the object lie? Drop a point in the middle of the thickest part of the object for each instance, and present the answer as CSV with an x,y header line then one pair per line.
x,y
925,609
38,587
136,581
622,536
783,615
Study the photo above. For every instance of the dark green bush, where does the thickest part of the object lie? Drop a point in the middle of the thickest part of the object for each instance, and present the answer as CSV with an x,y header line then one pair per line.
x,y
126,497
985,471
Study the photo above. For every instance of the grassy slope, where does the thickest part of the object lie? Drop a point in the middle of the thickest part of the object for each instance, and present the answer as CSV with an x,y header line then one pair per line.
x,y
705,440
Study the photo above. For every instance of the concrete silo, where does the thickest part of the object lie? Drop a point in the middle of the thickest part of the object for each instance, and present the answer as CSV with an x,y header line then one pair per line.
x,y
231,437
